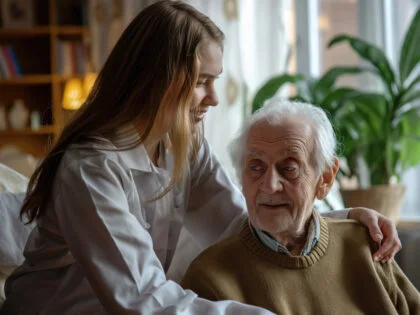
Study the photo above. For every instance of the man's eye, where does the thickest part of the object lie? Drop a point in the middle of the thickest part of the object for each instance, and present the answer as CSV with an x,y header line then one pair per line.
x,y
256,168
290,172
289,168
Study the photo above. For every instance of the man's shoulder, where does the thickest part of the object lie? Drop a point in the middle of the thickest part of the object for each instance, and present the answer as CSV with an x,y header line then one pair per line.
x,y
350,232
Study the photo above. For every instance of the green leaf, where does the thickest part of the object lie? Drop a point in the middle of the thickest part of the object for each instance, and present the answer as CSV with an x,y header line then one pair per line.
x,y
336,99
271,87
375,103
414,83
327,81
410,51
370,53
410,97
404,110
410,143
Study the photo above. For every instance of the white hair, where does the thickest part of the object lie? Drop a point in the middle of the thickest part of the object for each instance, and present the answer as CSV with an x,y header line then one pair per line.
x,y
274,111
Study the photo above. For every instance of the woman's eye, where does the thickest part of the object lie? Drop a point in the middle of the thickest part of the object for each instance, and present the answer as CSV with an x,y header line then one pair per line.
x,y
200,83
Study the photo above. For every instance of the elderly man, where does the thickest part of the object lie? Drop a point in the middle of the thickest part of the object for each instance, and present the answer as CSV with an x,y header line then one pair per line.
x,y
287,258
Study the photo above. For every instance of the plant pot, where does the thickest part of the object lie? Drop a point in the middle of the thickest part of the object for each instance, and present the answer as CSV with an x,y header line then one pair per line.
x,y
386,199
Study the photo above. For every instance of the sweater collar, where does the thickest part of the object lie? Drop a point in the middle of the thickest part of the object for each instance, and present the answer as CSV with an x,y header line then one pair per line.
x,y
285,261
314,231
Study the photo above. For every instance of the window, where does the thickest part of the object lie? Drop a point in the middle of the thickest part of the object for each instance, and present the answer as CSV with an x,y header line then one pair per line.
x,y
337,17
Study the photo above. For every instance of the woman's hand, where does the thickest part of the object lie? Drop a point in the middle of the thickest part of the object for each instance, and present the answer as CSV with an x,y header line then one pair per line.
x,y
381,230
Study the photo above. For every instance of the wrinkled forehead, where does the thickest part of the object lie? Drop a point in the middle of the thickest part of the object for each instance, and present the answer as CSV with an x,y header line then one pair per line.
x,y
287,137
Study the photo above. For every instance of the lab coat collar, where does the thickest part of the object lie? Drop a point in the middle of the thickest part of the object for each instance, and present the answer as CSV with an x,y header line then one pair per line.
x,y
136,159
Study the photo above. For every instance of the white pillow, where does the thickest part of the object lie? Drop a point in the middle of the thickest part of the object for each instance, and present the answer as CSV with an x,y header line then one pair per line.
x,y
12,181
13,233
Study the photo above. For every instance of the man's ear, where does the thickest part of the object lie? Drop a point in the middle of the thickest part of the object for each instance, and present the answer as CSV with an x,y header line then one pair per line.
x,y
327,180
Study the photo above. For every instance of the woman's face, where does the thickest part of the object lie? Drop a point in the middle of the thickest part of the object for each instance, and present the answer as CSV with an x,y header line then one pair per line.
x,y
210,66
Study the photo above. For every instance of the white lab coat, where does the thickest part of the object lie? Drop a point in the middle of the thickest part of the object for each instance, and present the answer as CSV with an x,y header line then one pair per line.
x,y
102,248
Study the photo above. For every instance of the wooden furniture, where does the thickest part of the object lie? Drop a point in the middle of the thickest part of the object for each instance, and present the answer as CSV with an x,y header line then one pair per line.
x,y
41,85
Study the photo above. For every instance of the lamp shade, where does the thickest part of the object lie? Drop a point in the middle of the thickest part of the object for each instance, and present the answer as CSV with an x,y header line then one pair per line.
x,y
73,96
76,91
88,82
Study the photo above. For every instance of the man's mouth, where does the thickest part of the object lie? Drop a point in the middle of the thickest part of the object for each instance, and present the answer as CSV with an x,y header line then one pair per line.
x,y
274,205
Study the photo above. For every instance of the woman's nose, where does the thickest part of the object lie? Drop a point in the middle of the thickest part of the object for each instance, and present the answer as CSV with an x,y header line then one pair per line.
x,y
211,98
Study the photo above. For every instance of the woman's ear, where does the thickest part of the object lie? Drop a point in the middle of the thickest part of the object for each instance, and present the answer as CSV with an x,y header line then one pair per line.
x,y
327,180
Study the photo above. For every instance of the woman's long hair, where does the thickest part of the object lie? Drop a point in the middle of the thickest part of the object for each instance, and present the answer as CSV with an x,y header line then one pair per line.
x,y
152,68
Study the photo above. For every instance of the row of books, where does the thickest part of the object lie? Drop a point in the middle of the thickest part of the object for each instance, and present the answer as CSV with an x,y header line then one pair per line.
x,y
9,64
71,57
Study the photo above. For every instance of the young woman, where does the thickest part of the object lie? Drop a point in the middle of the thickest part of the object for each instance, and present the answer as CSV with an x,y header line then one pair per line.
x,y
128,173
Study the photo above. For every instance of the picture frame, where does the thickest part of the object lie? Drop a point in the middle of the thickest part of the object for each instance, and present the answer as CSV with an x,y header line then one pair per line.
x,y
17,13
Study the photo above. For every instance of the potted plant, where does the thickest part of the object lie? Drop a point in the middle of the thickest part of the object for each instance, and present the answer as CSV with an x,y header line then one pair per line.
x,y
380,131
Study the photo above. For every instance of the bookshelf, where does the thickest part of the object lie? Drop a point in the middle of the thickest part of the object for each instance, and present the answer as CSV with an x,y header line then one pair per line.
x,y
42,80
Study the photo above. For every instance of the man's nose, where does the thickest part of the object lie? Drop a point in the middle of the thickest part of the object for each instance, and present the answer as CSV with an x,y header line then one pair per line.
x,y
272,182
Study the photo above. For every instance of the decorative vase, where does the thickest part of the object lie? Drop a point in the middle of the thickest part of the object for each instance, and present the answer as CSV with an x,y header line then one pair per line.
x,y
18,115
386,199
35,120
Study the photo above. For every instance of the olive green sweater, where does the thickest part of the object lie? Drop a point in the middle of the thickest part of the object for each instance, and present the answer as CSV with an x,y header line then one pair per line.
x,y
337,277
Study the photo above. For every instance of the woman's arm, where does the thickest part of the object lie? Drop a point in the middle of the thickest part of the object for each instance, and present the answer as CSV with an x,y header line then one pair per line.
x,y
381,229
114,250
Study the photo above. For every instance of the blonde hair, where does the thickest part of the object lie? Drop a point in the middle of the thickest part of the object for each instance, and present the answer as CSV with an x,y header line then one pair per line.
x,y
153,67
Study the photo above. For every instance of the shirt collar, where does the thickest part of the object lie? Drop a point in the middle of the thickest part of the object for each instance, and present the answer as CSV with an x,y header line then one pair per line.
x,y
138,159
311,241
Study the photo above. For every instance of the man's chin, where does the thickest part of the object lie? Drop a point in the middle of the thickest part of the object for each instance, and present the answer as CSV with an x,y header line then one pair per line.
x,y
272,224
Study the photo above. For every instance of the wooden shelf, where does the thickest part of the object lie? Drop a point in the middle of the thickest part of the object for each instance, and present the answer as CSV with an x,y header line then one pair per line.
x,y
64,78
71,30
25,32
44,130
28,79
39,51
44,30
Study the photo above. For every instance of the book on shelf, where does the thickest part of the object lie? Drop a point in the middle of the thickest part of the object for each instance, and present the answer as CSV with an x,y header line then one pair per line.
x,y
9,64
71,57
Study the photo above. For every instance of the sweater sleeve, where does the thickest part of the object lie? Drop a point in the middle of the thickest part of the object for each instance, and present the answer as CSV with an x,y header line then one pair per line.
x,y
403,293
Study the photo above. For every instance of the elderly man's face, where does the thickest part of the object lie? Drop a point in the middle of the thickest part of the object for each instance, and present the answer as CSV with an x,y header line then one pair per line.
x,y
279,178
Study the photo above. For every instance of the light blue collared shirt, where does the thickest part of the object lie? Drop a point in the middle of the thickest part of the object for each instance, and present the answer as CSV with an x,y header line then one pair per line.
x,y
311,241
